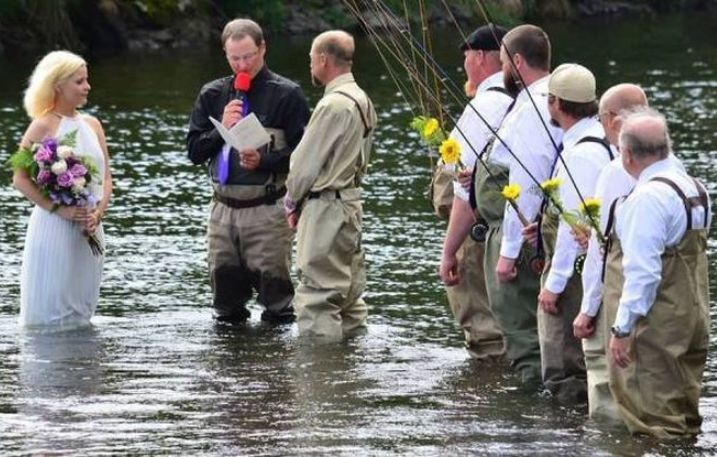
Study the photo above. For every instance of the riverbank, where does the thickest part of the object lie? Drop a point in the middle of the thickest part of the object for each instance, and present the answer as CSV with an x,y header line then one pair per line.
x,y
114,26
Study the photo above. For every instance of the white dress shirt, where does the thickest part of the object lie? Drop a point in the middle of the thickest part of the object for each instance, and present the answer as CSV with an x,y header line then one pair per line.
x,y
584,162
614,182
525,135
474,134
652,218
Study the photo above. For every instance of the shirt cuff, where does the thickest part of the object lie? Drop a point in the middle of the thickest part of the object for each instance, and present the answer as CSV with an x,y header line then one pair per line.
x,y
625,319
556,282
460,192
289,205
510,249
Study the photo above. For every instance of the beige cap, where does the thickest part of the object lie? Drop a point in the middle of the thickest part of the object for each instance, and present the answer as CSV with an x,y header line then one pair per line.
x,y
573,83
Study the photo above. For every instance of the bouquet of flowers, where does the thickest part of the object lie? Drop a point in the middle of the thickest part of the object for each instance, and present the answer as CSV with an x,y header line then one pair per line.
x,y
61,175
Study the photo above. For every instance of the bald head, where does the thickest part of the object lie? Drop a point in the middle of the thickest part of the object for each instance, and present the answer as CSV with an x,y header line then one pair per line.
x,y
644,135
615,100
622,97
337,45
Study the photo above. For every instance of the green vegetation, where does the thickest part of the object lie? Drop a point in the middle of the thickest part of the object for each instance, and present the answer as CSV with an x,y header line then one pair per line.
x,y
107,25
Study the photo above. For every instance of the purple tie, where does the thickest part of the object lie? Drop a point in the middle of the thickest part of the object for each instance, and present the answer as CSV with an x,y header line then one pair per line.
x,y
223,169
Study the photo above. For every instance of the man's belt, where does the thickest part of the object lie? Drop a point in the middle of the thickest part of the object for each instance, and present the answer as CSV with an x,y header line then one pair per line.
x,y
271,196
318,194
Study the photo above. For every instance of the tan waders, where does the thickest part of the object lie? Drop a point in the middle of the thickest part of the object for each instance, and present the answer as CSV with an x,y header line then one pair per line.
x,y
469,303
561,353
513,303
658,393
249,250
601,405
330,261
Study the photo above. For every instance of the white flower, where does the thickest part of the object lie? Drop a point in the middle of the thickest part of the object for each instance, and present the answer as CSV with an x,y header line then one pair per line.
x,y
64,152
79,182
59,167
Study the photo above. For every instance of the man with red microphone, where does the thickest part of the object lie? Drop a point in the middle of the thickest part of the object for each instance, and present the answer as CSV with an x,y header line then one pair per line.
x,y
249,243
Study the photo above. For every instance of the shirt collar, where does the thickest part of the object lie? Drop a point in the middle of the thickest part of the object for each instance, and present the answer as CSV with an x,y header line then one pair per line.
x,y
339,81
539,87
588,126
656,168
494,80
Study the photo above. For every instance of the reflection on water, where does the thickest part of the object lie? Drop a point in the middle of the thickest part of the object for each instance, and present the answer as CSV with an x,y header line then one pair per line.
x,y
156,375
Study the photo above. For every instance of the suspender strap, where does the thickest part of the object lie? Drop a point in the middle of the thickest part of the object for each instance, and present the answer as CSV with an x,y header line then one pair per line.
x,y
606,235
703,200
602,141
364,118
688,204
502,90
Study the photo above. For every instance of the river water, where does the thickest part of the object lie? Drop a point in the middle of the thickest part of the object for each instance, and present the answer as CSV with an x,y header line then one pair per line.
x,y
155,375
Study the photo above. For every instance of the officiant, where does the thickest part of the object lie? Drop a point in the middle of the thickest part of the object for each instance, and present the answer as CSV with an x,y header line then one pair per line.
x,y
248,241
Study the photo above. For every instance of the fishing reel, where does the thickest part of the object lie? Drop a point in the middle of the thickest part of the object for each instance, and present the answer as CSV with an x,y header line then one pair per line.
x,y
579,263
479,231
537,263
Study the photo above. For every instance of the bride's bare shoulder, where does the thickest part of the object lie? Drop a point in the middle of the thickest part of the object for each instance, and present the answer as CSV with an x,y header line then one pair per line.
x,y
39,129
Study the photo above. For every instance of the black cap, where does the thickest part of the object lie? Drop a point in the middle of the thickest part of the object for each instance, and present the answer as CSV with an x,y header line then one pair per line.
x,y
483,38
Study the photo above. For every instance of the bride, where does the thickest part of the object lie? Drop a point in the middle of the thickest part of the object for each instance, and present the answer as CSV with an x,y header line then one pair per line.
x,y
60,279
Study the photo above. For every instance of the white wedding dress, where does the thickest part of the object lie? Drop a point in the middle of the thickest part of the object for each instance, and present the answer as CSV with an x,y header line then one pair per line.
x,y
60,279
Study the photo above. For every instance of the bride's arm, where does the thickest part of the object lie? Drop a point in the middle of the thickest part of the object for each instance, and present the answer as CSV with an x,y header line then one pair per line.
x,y
39,129
107,179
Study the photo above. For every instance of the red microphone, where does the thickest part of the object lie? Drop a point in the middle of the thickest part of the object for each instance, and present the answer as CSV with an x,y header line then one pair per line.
x,y
242,83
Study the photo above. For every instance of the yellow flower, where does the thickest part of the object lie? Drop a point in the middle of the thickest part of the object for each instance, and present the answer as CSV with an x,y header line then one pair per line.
x,y
430,127
450,151
511,192
590,207
551,185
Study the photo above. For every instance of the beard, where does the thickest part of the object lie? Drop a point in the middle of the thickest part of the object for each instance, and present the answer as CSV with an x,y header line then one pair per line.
x,y
316,82
554,123
511,84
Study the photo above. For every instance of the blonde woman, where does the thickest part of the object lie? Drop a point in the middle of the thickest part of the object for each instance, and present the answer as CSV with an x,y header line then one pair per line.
x,y
60,280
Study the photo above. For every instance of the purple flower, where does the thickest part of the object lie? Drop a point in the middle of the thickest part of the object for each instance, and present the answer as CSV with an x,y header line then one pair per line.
x,y
51,144
43,155
78,170
65,179
43,177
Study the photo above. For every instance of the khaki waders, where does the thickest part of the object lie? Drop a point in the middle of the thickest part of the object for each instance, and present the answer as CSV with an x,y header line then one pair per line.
x,y
658,393
561,353
469,303
514,304
330,261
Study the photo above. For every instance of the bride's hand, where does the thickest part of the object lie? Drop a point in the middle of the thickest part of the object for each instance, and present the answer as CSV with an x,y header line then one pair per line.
x,y
72,213
93,221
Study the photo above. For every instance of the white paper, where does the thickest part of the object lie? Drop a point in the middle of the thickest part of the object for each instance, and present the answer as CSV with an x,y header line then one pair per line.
x,y
248,133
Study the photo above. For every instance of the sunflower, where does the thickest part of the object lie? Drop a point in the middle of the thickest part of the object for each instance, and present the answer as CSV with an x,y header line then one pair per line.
x,y
551,185
430,128
450,151
590,207
511,192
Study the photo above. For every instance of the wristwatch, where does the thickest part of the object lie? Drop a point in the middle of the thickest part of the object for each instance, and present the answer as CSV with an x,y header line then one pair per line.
x,y
617,333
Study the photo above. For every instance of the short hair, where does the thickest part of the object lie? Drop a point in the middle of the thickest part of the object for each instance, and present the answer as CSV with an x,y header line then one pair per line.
x,y
649,139
578,110
53,69
240,28
532,43
337,44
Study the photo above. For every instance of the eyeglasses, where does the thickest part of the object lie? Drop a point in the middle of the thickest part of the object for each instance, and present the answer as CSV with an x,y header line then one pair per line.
x,y
248,57
604,115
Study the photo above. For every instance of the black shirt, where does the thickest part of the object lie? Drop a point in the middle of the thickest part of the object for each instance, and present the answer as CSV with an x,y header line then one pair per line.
x,y
276,101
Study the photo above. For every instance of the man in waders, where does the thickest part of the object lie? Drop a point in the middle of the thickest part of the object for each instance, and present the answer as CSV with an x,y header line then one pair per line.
x,y
656,286
613,182
525,56
461,268
323,199
572,103
248,241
